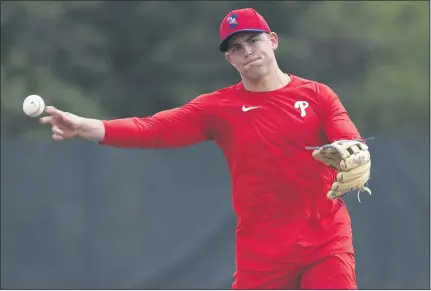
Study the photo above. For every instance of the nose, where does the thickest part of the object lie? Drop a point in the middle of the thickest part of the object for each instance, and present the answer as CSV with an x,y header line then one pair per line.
x,y
247,51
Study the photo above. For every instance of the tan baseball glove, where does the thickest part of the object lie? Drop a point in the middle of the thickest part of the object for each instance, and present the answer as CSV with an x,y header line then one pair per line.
x,y
352,160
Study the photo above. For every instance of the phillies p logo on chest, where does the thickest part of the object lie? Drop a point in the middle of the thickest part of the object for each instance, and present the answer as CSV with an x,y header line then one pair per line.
x,y
302,105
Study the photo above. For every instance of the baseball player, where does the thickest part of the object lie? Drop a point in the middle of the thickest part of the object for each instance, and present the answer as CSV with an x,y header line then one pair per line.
x,y
293,229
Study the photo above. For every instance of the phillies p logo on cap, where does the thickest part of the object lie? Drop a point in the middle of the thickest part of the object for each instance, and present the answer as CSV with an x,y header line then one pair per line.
x,y
232,20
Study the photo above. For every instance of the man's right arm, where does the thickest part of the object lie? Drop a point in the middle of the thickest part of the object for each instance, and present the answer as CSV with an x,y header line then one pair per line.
x,y
178,127
91,129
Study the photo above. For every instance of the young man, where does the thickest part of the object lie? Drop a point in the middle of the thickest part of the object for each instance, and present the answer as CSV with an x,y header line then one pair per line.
x,y
289,234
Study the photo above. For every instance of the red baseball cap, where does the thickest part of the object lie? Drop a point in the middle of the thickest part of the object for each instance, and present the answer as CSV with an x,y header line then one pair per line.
x,y
246,19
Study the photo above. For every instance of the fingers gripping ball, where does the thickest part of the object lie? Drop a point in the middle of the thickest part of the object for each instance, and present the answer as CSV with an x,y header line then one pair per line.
x,y
33,105
352,160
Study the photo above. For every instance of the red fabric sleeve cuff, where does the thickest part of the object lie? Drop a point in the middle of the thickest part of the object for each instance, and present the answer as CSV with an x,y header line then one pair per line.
x,y
119,132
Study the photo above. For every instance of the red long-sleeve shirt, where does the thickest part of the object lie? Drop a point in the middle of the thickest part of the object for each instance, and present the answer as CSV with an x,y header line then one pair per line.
x,y
279,190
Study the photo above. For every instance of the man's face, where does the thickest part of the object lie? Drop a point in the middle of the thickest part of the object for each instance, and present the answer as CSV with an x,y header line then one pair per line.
x,y
251,53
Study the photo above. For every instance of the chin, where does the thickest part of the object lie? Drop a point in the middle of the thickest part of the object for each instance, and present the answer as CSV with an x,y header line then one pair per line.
x,y
254,75
255,72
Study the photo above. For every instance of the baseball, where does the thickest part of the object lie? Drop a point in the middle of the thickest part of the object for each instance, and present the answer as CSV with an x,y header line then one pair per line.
x,y
33,105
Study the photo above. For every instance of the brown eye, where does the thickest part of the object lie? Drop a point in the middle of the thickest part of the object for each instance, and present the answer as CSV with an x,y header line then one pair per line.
x,y
234,48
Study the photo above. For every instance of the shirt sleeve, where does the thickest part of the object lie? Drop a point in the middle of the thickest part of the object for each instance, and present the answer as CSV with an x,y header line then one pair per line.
x,y
336,122
178,127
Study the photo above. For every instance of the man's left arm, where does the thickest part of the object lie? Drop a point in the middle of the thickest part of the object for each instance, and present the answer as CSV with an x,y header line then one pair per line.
x,y
337,124
346,151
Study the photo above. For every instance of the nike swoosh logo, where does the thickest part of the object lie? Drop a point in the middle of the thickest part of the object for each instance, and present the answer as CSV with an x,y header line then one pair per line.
x,y
245,109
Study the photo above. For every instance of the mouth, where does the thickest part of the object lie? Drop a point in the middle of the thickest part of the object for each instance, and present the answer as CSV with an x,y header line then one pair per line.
x,y
250,62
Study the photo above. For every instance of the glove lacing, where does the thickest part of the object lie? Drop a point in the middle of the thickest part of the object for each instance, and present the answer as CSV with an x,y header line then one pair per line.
x,y
364,189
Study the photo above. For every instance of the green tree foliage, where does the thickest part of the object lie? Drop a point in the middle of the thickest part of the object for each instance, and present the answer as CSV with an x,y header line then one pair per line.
x,y
111,59
376,54
37,38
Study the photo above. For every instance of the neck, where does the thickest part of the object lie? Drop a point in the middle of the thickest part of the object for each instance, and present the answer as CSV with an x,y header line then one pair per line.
x,y
275,80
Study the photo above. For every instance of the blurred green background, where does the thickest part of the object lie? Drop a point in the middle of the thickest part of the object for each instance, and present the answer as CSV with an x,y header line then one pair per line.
x,y
113,59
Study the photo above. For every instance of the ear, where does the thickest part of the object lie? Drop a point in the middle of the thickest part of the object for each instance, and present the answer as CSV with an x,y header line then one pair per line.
x,y
273,37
